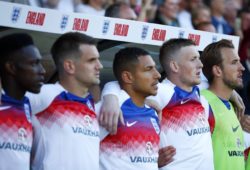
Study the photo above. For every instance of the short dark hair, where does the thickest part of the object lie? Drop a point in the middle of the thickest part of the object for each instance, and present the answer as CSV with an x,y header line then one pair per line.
x,y
114,10
212,56
126,59
10,44
169,50
67,46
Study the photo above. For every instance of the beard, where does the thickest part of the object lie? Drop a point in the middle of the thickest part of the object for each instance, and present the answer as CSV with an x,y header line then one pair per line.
x,y
232,84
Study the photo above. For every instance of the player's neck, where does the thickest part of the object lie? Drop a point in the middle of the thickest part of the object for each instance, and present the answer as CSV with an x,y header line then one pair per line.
x,y
137,99
13,90
75,88
183,86
178,82
140,102
221,90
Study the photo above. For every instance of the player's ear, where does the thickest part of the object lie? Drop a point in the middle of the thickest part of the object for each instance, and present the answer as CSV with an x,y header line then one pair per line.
x,y
69,66
173,66
127,77
217,72
10,67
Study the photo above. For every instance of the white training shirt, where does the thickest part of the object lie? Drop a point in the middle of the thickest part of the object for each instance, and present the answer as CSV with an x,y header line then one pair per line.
x,y
136,144
66,131
15,134
184,125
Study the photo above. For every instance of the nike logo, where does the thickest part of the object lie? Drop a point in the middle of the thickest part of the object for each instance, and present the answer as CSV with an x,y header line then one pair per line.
x,y
4,107
235,129
184,101
131,124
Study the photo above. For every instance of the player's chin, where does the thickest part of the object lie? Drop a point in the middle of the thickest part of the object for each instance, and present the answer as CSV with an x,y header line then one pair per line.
x,y
239,85
197,81
153,92
35,89
96,81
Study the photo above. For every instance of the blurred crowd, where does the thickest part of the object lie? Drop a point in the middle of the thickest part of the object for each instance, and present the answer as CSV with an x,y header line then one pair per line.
x,y
230,17
222,16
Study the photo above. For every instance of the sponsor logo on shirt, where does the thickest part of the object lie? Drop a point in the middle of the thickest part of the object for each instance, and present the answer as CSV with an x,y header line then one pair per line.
x,y
84,131
238,143
15,146
21,145
4,107
129,124
234,129
86,127
198,131
202,120
235,153
87,121
184,101
149,148
22,135
145,159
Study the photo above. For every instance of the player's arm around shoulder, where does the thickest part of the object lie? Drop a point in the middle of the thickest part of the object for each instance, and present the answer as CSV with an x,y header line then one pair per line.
x,y
110,112
103,131
163,96
42,100
238,104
